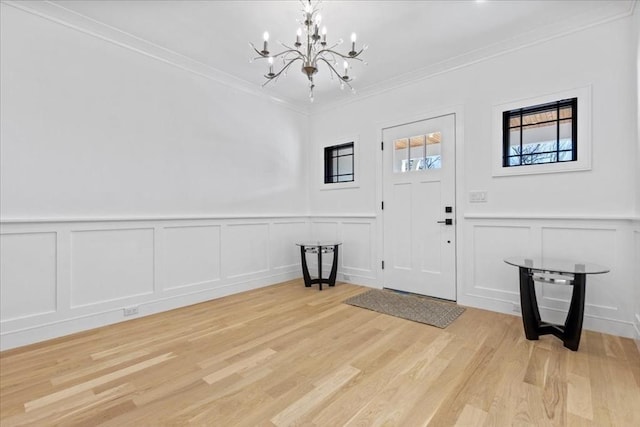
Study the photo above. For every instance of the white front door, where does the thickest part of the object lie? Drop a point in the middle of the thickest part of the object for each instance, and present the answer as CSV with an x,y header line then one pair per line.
x,y
418,164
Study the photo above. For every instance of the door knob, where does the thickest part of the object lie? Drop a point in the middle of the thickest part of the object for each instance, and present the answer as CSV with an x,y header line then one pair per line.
x,y
447,221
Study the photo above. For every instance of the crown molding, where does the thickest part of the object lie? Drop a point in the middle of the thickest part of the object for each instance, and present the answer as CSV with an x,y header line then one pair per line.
x,y
540,35
79,22
59,14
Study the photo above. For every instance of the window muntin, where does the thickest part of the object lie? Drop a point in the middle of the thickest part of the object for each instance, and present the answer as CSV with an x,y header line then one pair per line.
x,y
545,133
338,163
417,153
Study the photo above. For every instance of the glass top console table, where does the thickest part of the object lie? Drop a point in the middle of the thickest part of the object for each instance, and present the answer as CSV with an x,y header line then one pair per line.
x,y
560,272
319,248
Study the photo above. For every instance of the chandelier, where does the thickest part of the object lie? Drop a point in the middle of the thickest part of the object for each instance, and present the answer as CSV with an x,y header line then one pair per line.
x,y
310,49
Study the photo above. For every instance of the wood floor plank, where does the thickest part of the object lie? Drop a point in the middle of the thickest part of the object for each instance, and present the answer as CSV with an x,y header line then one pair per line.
x,y
330,384
290,355
71,391
579,396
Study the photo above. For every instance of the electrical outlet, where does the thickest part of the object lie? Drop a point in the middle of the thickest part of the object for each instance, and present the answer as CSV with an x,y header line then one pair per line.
x,y
130,311
346,277
515,308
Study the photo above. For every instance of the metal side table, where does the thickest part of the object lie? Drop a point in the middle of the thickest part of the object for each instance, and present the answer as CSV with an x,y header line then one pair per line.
x,y
319,248
554,271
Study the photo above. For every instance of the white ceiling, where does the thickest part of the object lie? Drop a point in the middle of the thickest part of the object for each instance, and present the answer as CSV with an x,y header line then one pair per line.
x,y
406,39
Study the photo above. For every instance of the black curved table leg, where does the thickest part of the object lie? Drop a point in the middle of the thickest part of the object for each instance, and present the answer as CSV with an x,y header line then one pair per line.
x,y
529,305
305,269
334,267
573,324
320,267
571,331
320,248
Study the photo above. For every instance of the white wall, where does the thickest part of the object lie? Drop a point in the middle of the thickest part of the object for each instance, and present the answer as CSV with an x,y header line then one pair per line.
x,y
90,128
128,180
585,214
636,53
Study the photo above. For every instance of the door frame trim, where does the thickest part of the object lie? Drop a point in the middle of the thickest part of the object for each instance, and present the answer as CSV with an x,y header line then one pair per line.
x,y
458,112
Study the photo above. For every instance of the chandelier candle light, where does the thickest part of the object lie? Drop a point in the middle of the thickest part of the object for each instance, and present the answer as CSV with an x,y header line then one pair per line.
x,y
311,52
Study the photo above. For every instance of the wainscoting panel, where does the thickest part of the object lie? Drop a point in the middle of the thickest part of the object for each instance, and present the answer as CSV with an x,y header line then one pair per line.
x,y
284,236
358,261
66,276
491,245
485,281
246,249
191,255
109,265
28,274
357,246
596,245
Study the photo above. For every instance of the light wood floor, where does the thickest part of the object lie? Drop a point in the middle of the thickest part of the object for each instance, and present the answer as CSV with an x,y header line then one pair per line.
x,y
290,355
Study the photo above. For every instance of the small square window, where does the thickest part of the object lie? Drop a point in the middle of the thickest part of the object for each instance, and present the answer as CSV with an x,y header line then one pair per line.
x,y
338,163
539,134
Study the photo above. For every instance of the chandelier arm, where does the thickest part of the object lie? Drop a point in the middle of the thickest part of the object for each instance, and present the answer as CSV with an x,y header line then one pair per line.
x,y
335,45
257,51
288,57
342,55
285,52
289,50
342,79
276,75
288,47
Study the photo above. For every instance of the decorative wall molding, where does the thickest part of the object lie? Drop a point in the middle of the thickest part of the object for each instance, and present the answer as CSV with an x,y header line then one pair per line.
x,y
578,217
492,284
551,32
83,274
110,265
29,274
147,218
345,216
357,254
184,268
484,281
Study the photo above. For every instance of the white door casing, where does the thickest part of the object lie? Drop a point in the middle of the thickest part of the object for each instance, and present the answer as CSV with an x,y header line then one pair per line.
x,y
418,176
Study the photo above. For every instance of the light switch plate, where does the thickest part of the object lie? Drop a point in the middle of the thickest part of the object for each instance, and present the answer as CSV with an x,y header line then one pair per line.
x,y
478,196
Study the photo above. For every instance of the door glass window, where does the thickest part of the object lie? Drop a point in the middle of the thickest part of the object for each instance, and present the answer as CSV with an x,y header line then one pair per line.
x,y
417,153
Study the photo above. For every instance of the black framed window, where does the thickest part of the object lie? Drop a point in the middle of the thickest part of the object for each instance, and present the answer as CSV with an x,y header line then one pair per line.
x,y
338,163
545,133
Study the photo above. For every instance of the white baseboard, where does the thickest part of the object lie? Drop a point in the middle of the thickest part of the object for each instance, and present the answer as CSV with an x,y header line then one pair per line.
x,y
60,328
591,323
356,279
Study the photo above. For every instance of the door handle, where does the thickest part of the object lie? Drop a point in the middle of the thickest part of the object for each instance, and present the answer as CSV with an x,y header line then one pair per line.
x,y
447,221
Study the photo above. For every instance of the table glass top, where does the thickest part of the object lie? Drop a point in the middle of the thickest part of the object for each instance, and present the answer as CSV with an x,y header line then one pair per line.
x,y
319,243
553,265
